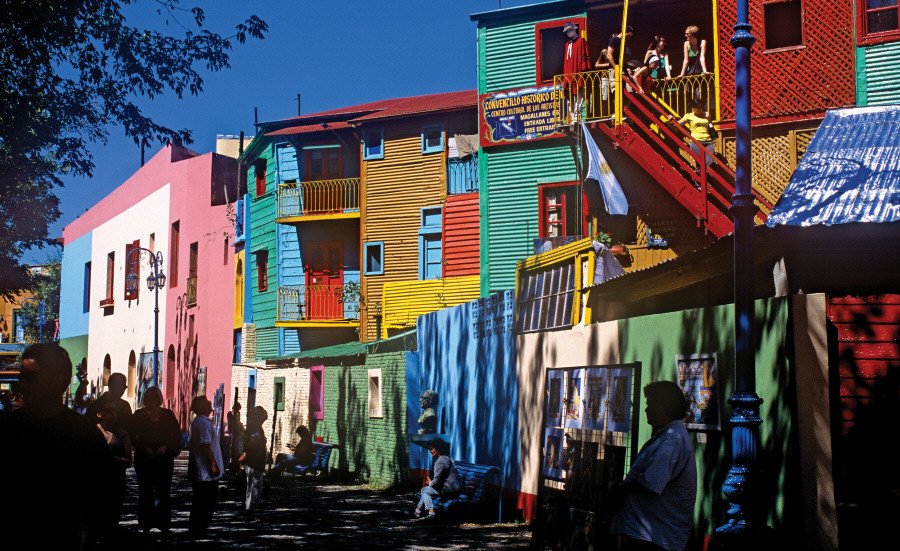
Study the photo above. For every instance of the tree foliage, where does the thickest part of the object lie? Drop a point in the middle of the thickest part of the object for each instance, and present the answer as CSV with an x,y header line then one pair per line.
x,y
69,71
45,289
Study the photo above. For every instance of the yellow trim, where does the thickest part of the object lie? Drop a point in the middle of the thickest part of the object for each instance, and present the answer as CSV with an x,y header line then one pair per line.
x,y
715,22
555,256
318,323
619,64
317,217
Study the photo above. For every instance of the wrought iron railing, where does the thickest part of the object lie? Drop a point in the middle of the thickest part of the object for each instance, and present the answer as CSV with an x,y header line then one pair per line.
x,y
318,197
317,302
462,175
590,96
192,290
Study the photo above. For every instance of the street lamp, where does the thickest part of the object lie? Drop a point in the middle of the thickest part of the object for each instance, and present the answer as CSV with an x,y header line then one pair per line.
x,y
41,314
155,281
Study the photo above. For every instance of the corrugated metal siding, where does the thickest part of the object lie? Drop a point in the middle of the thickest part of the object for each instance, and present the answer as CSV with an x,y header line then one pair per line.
x,y
882,74
318,337
509,57
262,228
290,266
266,342
405,301
511,225
395,190
461,235
288,340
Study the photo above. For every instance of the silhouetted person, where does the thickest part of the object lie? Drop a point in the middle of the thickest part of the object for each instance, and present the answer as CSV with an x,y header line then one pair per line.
x,y
46,450
660,488
444,481
254,459
157,442
117,385
113,483
236,430
204,467
303,453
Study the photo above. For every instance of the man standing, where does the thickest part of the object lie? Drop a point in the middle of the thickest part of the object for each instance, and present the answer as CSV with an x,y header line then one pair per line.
x,y
49,452
204,467
615,45
575,60
660,489
117,384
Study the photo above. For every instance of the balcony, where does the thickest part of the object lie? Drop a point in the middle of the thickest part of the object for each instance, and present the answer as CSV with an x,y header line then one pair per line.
x,y
107,302
318,305
318,200
544,244
191,291
239,221
462,175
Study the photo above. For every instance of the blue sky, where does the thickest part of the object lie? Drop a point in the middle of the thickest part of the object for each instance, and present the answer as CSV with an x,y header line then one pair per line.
x,y
334,53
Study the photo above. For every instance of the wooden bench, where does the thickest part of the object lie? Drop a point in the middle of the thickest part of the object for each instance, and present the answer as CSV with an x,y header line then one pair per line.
x,y
481,486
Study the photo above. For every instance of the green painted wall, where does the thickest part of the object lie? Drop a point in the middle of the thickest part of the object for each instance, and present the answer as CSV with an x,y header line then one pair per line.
x,y
509,204
656,340
372,449
878,74
262,237
77,347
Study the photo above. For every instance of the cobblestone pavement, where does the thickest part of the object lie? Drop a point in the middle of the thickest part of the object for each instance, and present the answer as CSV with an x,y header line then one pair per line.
x,y
316,514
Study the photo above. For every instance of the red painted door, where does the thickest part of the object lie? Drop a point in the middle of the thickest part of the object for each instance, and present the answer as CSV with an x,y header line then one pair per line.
x,y
324,281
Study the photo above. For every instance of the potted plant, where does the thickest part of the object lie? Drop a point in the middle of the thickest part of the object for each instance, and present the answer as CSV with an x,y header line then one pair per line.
x,y
617,249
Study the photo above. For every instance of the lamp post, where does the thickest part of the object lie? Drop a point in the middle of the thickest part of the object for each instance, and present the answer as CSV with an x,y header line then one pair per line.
x,y
155,281
743,518
41,314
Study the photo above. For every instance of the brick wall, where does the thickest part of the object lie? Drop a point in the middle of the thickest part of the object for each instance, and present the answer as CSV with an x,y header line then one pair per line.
x,y
374,450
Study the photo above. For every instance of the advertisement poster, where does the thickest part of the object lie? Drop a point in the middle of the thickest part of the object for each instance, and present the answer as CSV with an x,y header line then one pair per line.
x,y
555,380
620,400
697,377
595,399
574,399
551,464
146,374
517,115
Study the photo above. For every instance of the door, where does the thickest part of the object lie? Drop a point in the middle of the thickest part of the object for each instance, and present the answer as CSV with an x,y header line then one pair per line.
x,y
324,281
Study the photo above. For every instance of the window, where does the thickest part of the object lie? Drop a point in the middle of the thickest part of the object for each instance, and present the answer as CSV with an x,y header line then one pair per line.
x,y
877,21
430,254
784,24
110,274
262,271
86,304
375,393
433,138
561,213
317,392
192,274
19,324
237,342
373,144
550,43
259,170
132,266
322,163
545,299
373,252
152,243
173,255
279,393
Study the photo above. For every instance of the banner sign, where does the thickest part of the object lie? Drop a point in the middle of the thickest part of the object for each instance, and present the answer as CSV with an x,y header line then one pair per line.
x,y
518,115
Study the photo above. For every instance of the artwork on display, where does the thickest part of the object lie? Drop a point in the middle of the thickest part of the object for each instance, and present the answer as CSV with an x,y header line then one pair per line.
x,y
146,374
551,464
574,399
698,377
555,379
594,398
620,400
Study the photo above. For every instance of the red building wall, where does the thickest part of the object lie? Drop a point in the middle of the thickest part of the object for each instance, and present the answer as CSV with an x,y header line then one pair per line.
x,y
461,235
793,83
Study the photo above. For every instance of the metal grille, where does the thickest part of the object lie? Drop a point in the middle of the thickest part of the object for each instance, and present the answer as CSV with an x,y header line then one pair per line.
x,y
318,197
790,81
316,302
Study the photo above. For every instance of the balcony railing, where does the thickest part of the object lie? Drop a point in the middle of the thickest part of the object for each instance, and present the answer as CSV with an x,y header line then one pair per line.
x,y
318,197
544,244
592,94
462,175
192,290
317,302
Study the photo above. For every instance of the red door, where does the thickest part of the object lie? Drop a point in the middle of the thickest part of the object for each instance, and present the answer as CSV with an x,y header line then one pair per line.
x,y
324,281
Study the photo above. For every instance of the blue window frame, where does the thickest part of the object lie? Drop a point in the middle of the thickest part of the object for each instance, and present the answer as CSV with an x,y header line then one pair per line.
x,y
430,246
373,144
433,138
373,255
86,298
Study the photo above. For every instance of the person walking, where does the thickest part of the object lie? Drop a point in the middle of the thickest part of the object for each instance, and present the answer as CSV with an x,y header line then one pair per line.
x,y
659,491
254,459
116,389
113,483
157,442
204,467
444,480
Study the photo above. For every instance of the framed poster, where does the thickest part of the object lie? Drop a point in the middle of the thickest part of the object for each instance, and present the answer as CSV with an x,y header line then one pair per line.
x,y
552,458
555,380
620,400
698,376
595,398
574,399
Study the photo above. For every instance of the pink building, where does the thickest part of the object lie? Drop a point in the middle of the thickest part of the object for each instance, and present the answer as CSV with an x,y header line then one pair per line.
x,y
175,204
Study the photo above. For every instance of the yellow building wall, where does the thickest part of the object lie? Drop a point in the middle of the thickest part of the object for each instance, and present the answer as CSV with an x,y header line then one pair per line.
x,y
405,301
239,266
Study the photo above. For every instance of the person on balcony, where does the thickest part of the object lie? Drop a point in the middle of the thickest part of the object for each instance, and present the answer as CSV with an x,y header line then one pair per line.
x,y
615,45
698,124
694,52
643,77
575,60
659,48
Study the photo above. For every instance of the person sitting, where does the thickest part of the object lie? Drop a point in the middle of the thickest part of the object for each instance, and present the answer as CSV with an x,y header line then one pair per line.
x,y
303,453
444,480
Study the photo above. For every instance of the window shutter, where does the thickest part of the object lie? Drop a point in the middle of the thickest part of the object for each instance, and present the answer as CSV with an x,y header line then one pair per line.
x,y
132,265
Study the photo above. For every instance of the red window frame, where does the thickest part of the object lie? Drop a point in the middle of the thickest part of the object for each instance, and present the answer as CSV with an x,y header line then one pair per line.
x,y
259,173
110,274
323,173
865,38
262,271
174,237
132,265
543,219
538,27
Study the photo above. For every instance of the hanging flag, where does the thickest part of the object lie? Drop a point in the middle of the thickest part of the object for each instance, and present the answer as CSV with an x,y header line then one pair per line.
x,y
613,196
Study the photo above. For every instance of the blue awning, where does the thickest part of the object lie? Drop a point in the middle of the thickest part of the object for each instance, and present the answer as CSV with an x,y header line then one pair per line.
x,y
850,172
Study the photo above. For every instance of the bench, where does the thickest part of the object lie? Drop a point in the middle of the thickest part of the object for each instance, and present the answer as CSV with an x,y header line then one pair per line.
x,y
319,465
481,485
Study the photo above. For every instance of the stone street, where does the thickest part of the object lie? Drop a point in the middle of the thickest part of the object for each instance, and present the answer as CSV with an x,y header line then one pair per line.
x,y
313,513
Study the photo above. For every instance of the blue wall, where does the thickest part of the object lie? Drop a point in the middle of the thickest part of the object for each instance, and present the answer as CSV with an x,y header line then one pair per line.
x,y
467,355
73,320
